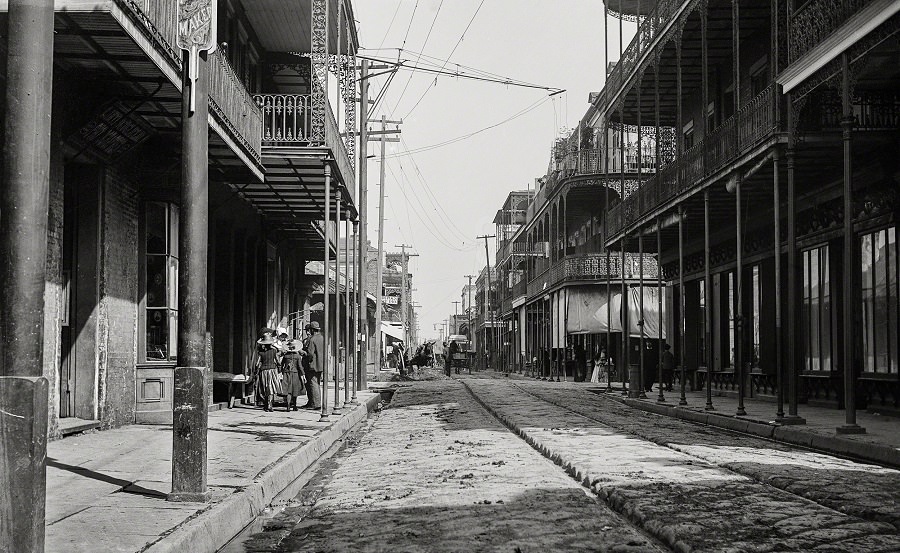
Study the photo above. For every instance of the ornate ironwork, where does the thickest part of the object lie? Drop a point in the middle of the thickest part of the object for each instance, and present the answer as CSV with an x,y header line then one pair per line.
x,y
286,117
319,61
816,20
348,88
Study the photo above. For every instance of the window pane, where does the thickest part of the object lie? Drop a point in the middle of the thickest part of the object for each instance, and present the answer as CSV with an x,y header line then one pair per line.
x,y
157,335
702,334
805,313
731,319
155,222
156,281
754,353
867,304
825,316
174,217
173,334
881,302
893,301
173,282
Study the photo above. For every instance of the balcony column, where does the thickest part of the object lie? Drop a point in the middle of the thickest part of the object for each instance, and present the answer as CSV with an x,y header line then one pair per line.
x,y
792,335
319,61
24,201
681,317
738,300
604,141
363,245
326,330
779,362
348,309
659,306
358,297
336,408
641,384
707,311
640,177
189,424
623,316
850,426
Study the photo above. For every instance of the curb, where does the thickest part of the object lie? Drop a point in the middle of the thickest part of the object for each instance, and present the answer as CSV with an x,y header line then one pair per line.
x,y
209,530
864,451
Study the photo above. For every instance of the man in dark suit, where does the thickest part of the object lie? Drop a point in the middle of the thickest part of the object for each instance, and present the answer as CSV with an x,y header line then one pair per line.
x,y
314,365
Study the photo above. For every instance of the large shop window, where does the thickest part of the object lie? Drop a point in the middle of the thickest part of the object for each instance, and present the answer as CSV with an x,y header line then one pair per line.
x,y
160,315
755,314
702,354
816,310
878,256
731,319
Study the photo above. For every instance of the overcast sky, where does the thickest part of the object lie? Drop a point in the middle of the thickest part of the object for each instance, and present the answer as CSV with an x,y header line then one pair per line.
x,y
439,199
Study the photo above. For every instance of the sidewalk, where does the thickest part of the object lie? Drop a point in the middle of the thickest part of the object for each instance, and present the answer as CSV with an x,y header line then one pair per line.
x,y
106,490
880,444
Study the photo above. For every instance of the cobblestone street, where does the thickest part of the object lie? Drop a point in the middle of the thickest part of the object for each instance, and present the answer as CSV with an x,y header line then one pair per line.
x,y
437,470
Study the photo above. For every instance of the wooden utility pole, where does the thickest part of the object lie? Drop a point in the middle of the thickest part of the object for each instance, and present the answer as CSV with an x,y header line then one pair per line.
x,y
380,267
455,316
404,297
363,246
487,296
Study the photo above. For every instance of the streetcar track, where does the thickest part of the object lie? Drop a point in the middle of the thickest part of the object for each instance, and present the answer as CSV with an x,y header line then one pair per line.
x,y
746,474
543,447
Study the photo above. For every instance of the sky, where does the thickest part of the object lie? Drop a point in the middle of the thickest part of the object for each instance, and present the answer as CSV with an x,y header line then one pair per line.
x,y
439,197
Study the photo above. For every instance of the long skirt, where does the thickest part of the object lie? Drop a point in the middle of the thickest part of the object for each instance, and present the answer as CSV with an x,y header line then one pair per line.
x,y
269,382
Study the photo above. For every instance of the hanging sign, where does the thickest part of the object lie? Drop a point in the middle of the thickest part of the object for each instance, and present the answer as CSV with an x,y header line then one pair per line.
x,y
196,33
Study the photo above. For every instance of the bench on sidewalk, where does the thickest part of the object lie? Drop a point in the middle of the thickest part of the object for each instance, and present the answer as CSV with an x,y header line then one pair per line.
x,y
233,380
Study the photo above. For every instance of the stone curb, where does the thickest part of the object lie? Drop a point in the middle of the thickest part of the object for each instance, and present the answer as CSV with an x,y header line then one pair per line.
x,y
874,453
210,529
609,494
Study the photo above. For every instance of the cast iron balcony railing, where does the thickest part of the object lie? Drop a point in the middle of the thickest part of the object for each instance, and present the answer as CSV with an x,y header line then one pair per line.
x,y
592,267
815,20
739,134
287,123
229,101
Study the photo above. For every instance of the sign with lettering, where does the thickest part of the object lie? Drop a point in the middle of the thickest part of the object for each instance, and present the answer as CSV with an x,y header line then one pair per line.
x,y
390,300
196,33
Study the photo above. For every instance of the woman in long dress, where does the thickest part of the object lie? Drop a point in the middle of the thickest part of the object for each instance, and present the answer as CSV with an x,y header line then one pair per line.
x,y
294,381
267,369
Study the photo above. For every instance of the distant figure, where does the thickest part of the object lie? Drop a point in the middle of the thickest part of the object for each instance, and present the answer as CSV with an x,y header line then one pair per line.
x,y
580,363
294,381
668,367
267,369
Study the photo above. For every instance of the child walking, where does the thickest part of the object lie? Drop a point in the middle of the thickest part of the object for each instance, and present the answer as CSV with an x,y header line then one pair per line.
x,y
292,373
267,369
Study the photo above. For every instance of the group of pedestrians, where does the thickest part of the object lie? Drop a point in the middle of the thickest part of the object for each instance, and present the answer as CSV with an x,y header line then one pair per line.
x,y
289,367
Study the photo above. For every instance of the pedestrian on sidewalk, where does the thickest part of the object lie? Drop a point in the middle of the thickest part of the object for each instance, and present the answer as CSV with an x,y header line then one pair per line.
x,y
267,369
294,381
668,367
599,363
314,365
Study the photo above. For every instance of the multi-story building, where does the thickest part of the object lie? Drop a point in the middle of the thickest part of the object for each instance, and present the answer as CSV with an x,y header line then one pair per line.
x,y
769,192
117,219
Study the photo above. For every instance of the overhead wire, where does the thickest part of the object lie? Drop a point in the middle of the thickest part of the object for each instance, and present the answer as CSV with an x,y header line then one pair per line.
x,y
425,43
447,60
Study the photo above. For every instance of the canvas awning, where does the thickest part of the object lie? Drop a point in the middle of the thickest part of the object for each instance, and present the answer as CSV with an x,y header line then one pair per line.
x,y
589,310
392,331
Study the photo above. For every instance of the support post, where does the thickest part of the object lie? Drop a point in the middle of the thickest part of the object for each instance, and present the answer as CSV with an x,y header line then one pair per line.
x,y
682,400
348,309
707,312
358,296
659,288
336,408
792,417
641,384
189,422
380,263
326,330
850,426
739,303
24,202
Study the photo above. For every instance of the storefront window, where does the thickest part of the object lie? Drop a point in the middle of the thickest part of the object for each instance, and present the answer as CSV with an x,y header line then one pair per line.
x,y
756,302
878,257
160,316
816,310
701,334
731,321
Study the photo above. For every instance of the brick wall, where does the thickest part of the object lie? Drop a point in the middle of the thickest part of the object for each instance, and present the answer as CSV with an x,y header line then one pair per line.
x,y
117,332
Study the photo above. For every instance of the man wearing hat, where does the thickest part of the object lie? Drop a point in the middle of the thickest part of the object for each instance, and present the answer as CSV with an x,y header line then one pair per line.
x,y
314,364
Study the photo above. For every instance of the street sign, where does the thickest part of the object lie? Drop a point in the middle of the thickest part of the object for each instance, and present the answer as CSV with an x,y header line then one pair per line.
x,y
196,33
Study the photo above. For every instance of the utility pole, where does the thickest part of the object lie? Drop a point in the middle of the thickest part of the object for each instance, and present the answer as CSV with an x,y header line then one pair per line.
x,y
455,316
404,297
470,334
487,296
378,290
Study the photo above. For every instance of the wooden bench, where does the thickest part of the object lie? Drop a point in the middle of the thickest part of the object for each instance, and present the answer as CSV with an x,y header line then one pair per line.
x,y
232,380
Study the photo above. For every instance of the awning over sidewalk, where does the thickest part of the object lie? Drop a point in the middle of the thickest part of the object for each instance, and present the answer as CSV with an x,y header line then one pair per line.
x,y
589,310
392,331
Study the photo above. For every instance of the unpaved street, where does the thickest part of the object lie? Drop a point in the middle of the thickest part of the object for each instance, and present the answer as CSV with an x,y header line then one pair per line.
x,y
480,464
